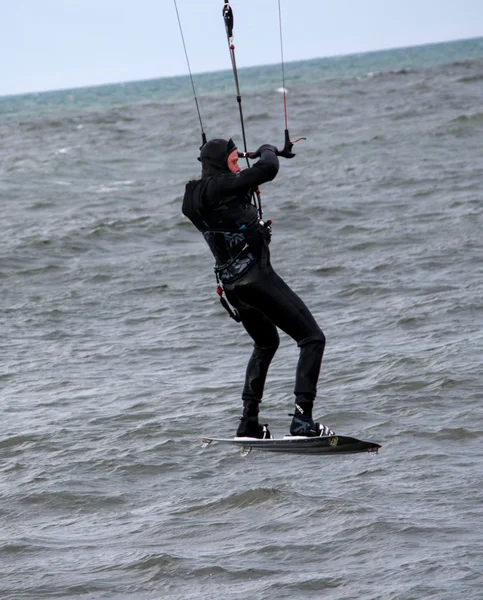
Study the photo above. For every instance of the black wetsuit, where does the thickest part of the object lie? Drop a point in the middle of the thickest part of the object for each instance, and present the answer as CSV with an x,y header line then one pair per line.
x,y
219,205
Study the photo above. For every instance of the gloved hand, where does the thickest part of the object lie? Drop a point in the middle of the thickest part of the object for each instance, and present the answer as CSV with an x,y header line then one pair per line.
x,y
258,152
287,150
267,233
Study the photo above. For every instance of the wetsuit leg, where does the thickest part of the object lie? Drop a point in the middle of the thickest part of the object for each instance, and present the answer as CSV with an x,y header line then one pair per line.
x,y
266,341
266,292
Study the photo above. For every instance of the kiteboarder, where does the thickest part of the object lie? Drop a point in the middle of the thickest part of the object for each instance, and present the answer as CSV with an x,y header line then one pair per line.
x,y
220,206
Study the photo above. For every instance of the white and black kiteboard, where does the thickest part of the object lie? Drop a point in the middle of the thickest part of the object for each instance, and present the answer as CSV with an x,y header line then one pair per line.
x,y
327,445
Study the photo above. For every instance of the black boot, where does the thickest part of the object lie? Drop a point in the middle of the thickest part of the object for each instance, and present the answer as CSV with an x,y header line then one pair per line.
x,y
303,423
249,424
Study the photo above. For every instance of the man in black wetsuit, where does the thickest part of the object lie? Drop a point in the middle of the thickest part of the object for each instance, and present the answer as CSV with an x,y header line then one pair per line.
x,y
219,205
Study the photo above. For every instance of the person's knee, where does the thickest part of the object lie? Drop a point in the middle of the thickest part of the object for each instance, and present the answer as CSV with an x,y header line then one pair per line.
x,y
267,351
269,347
317,339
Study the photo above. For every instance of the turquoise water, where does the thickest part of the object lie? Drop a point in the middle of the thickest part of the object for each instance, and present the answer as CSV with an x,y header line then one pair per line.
x,y
252,79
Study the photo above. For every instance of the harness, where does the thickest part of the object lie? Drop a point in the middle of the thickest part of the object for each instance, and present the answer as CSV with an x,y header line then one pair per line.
x,y
234,314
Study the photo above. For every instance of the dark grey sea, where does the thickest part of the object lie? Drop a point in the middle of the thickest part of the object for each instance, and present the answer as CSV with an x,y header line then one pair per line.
x,y
116,356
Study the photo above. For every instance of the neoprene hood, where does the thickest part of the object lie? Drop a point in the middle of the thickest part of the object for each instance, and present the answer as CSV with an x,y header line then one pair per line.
x,y
214,155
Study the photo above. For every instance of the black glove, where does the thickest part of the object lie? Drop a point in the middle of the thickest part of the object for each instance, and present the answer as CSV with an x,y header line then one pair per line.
x,y
287,151
258,152
267,233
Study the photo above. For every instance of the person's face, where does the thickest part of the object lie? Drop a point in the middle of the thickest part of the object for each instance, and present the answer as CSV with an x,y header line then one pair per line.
x,y
232,162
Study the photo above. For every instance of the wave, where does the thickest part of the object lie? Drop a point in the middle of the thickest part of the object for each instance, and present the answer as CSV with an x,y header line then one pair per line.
x,y
473,118
386,74
471,78
238,500
258,117
466,64
77,121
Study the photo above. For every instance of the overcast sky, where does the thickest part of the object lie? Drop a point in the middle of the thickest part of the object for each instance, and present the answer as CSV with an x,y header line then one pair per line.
x,y
57,44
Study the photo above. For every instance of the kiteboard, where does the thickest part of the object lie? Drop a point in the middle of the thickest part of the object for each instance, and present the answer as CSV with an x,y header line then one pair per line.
x,y
328,445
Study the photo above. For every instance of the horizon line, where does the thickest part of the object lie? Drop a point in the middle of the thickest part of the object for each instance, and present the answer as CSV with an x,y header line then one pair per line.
x,y
181,75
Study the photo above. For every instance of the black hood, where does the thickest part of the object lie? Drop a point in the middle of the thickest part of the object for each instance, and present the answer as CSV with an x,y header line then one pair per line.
x,y
214,155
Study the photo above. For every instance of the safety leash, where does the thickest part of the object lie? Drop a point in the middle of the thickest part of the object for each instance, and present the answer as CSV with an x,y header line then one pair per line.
x,y
232,312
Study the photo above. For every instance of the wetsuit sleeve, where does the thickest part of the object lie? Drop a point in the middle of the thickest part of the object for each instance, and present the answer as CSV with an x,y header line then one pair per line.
x,y
262,171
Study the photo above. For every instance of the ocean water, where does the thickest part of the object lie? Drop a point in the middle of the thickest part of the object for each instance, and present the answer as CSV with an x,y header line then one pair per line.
x,y
116,356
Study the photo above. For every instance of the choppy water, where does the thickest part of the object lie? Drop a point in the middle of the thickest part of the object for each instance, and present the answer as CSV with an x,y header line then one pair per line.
x,y
116,356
